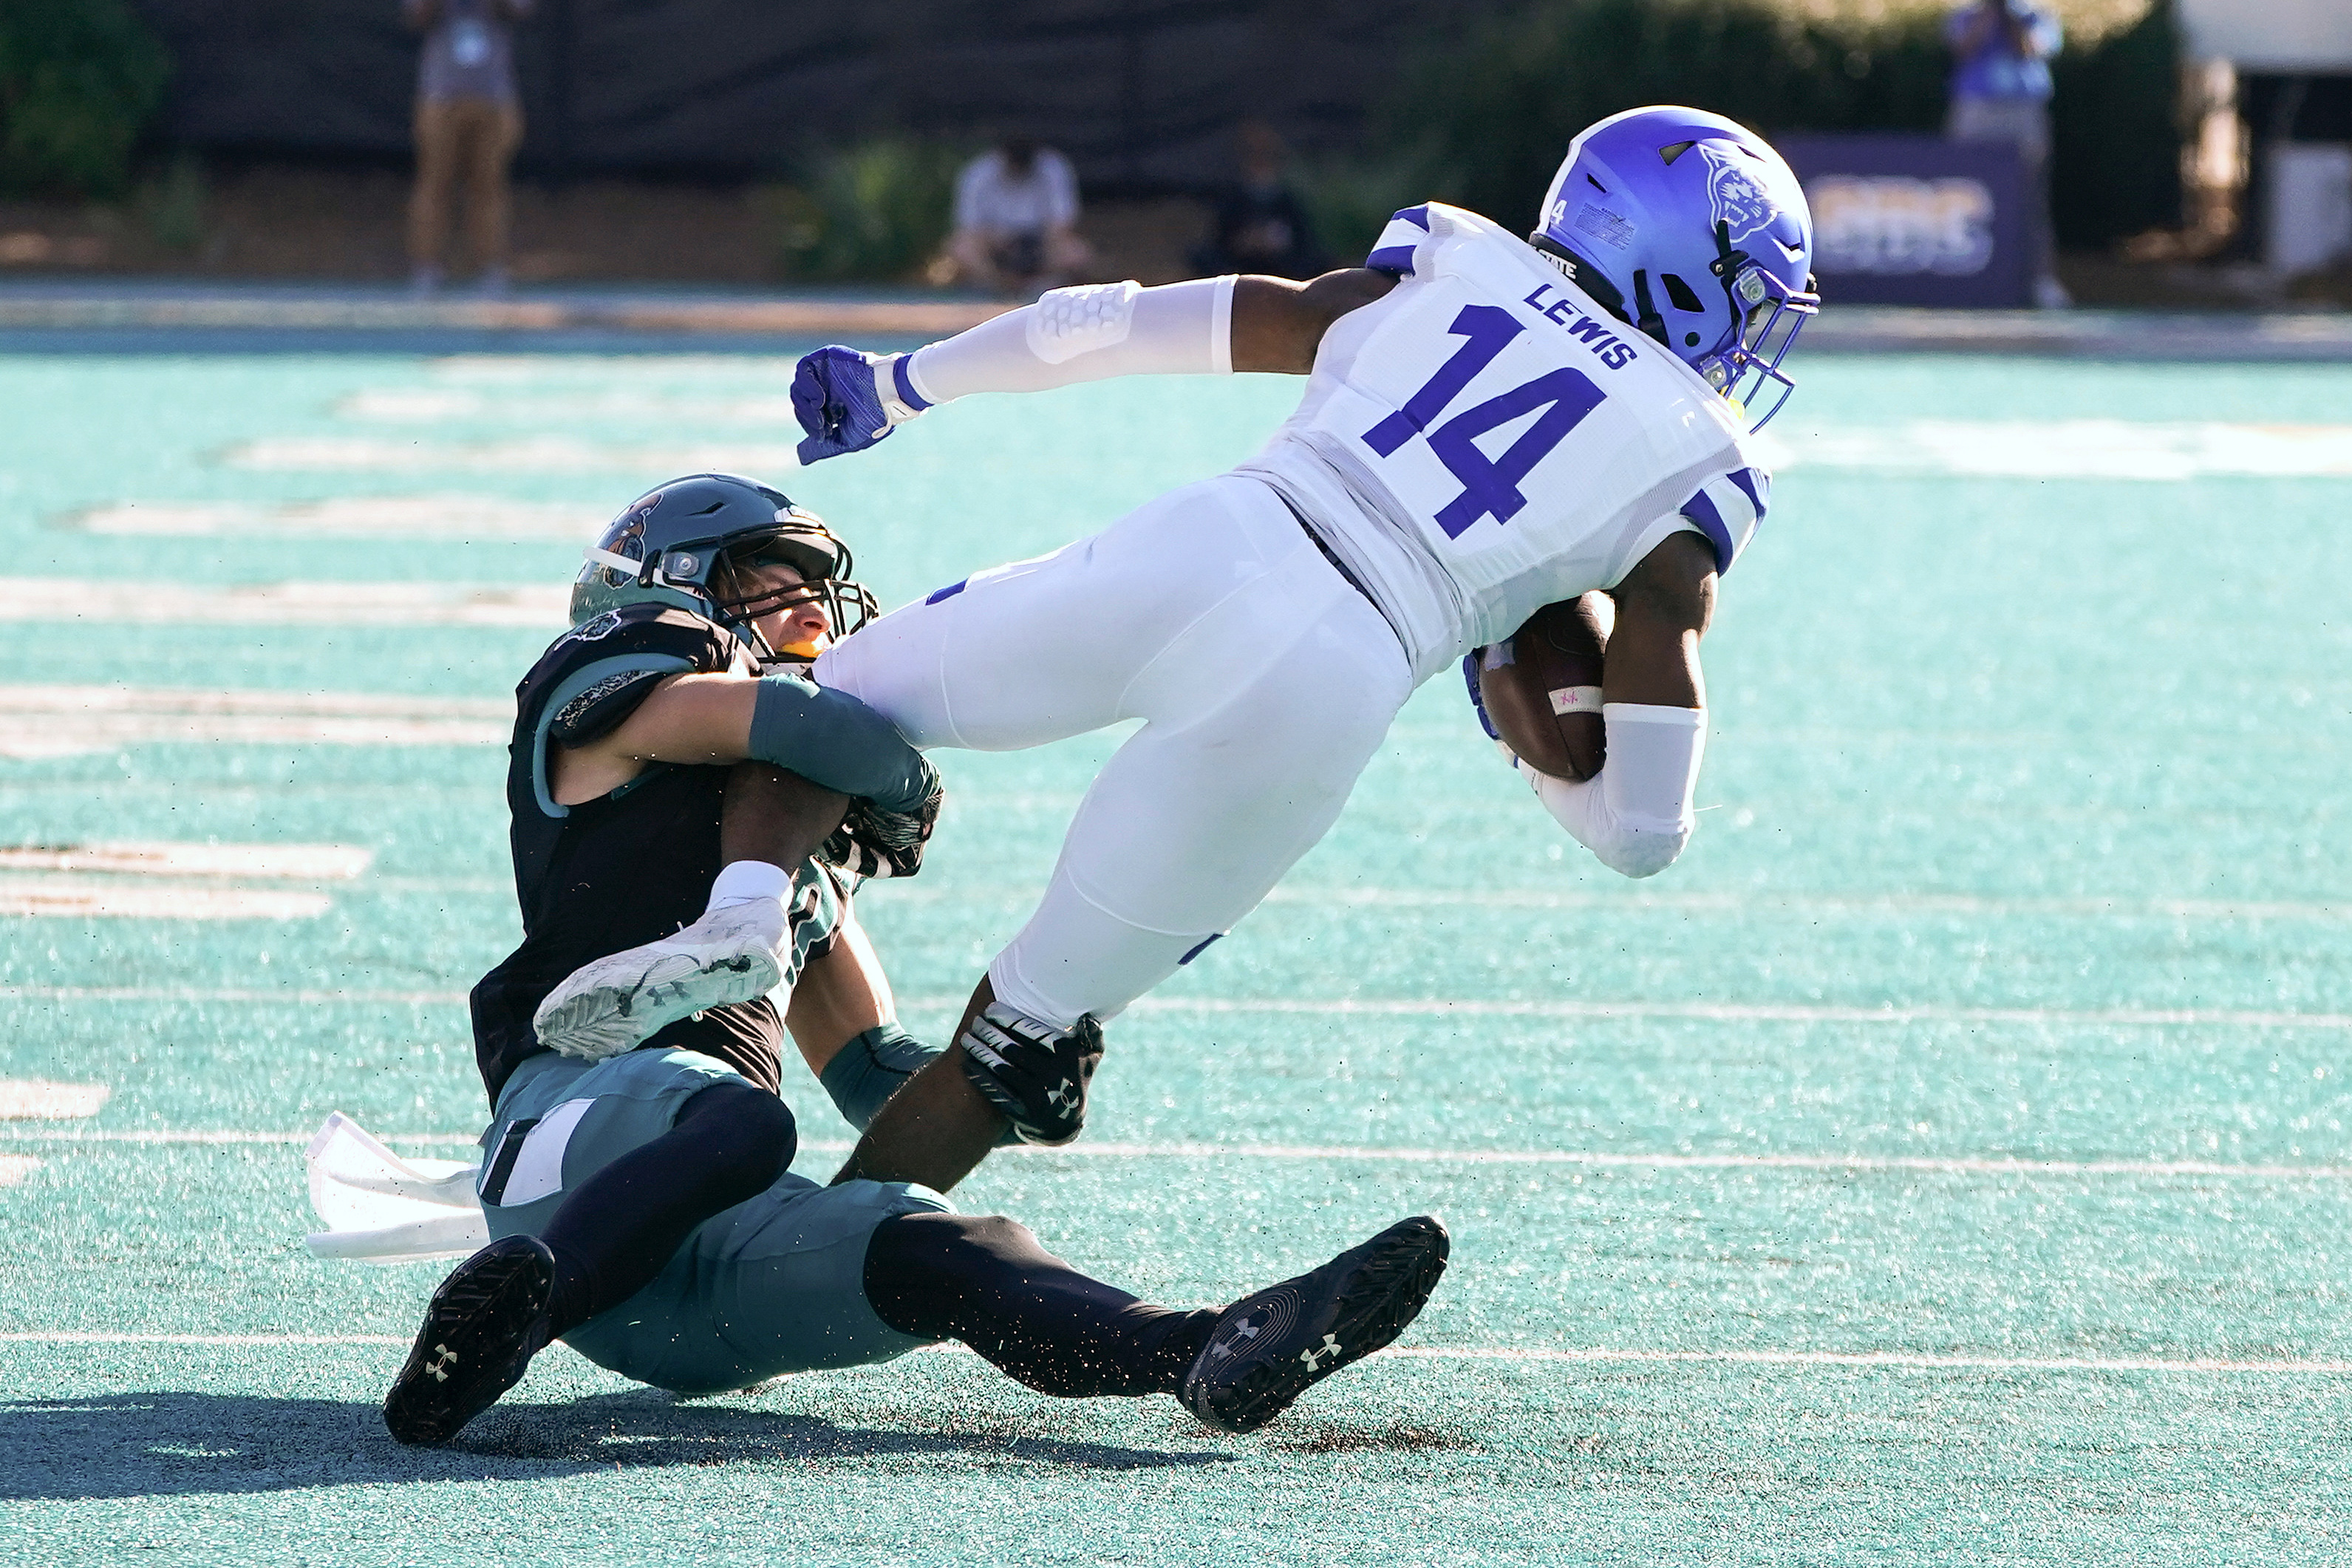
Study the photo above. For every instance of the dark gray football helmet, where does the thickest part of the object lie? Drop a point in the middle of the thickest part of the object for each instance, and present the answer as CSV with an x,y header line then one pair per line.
x,y
686,545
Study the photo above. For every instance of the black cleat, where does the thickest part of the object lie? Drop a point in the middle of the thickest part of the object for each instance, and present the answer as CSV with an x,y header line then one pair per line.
x,y
1270,1347
486,1323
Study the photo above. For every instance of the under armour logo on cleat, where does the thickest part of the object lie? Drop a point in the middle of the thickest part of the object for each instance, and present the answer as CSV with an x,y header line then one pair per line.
x,y
438,1365
1063,1096
1314,1358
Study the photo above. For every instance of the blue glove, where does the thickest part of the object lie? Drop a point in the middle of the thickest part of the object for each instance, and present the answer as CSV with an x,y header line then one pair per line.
x,y
1477,697
837,403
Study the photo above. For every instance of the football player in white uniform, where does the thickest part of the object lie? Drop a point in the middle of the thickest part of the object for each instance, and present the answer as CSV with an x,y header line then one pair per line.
x,y
1491,425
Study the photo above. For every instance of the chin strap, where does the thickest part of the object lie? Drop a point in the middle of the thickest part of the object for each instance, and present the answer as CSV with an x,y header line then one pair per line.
x,y
1646,319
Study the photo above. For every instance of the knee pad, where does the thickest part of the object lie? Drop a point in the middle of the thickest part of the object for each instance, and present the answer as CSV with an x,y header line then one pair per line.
x,y
1034,1075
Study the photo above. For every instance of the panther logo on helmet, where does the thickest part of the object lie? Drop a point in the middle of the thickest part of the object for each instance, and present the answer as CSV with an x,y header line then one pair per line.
x,y
1733,195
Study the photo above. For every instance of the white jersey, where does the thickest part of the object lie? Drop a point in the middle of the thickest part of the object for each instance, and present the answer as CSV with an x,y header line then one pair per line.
x,y
1485,440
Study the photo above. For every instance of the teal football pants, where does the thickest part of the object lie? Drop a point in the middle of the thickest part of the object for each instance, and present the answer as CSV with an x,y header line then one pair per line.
x,y
774,1285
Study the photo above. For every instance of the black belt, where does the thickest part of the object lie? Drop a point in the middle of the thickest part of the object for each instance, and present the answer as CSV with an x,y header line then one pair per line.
x,y
1328,554
1336,565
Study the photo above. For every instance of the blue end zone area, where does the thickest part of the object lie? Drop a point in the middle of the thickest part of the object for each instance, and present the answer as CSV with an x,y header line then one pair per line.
x,y
1946,1161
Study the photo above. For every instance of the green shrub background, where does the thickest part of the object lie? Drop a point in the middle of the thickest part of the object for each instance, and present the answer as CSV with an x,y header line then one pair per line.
x,y
79,80
877,211
1487,115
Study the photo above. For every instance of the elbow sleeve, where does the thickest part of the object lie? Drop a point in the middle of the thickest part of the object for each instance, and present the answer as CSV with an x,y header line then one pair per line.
x,y
864,1074
833,740
1636,813
1087,333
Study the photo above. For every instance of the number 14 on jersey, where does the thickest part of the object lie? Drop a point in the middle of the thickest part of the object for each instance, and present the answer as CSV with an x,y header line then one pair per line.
x,y
1489,485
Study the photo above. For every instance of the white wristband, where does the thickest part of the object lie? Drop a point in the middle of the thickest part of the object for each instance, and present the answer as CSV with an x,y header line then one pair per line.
x,y
1090,333
1635,815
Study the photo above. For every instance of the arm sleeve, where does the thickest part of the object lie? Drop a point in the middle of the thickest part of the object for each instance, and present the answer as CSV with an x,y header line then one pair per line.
x,y
833,740
1090,333
1636,814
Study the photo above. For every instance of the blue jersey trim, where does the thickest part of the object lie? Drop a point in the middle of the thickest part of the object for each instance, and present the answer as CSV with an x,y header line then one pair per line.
x,y
1396,258
1702,512
1752,485
1418,216
906,384
1477,697
950,591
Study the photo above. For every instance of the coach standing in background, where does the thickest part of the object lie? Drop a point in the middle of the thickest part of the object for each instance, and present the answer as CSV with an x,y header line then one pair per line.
x,y
2000,92
468,122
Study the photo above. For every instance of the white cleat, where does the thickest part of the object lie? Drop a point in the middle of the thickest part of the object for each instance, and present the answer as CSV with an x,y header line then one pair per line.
x,y
615,1004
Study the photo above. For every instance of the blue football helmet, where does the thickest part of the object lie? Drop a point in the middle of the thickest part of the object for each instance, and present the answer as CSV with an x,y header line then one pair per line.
x,y
687,544
1693,229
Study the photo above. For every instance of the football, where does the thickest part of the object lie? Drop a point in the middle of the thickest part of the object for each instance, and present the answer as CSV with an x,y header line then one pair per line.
x,y
1541,687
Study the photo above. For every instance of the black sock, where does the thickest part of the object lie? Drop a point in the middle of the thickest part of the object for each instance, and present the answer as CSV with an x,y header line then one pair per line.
x,y
620,1227
985,1280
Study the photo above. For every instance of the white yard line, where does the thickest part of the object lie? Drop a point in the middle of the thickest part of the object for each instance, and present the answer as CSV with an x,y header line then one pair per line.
x,y
2105,449
471,518
2073,449
548,454
42,1099
1886,1361
62,1337
165,857
444,405
302,998
15,1168
1432,1007
72,898
68,720
1856,903
1600,1160
161,880
1897,1361
1746,1012
540,605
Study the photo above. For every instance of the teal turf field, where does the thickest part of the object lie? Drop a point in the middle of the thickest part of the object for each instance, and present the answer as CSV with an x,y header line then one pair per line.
x,y
1946,1162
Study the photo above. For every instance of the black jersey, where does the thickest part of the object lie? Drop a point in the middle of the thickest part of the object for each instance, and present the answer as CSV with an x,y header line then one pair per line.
x,y
631,867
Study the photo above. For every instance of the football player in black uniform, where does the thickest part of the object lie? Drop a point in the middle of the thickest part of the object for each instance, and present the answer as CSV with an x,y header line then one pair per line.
x,y
685,800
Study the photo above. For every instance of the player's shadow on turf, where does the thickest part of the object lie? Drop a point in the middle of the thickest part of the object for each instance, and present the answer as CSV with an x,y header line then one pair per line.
x,y
167,1444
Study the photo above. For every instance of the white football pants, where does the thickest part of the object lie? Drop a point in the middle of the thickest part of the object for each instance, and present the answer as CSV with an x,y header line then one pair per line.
x,y
1265,683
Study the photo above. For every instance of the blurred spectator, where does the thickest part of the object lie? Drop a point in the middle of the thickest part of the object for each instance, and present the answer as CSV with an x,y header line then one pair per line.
x,y
2000,92
1016,214
468,120
1261,224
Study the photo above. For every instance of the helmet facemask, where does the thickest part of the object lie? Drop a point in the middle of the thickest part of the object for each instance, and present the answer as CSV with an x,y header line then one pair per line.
x,y
713,574
742,601
1745,364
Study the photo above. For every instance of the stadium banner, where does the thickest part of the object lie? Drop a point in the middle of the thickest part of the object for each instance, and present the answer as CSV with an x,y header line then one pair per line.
x,y
1915,220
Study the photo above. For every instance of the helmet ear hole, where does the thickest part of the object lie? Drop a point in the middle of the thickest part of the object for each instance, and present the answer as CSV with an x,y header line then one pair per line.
x,y
1681,294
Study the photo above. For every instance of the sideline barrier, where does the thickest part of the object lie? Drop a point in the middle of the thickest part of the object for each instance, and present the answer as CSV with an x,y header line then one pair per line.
x,y
1915,220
